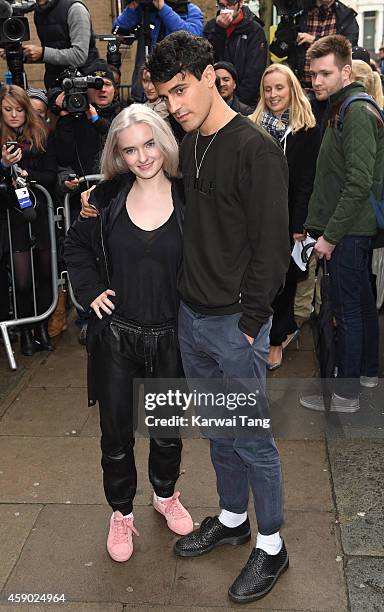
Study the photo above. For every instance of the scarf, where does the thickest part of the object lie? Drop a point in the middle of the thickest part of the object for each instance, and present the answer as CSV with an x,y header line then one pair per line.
x,y
275,126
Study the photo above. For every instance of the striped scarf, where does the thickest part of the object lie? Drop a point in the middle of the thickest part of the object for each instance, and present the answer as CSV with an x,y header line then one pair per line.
x,y
275,126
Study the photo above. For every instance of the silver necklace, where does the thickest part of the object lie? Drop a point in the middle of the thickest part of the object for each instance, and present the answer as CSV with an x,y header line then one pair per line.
x,y
198,166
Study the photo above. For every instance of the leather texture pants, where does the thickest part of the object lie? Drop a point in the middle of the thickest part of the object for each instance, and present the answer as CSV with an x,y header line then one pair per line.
x,y
122,352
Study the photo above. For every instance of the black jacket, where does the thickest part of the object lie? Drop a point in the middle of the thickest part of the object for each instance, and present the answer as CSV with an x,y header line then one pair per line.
x,y
346,25
51,21
86,245
301,152
78,142
239,107
246,49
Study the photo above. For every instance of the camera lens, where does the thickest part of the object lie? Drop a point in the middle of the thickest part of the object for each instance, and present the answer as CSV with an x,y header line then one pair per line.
x,y
14,29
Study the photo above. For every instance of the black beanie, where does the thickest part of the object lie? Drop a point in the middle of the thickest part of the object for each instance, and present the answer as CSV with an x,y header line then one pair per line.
x,y
228,67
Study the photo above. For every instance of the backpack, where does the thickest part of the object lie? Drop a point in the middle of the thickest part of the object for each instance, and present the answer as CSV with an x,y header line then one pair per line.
x,y
377,204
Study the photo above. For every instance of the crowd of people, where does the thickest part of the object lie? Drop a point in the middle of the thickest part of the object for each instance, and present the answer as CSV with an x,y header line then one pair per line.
x,y
180,257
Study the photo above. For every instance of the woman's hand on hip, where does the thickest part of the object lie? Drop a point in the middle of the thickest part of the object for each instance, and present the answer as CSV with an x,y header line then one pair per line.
x,y
102,302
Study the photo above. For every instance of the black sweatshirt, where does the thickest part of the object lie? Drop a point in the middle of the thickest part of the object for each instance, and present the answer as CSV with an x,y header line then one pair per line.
x,y
236,239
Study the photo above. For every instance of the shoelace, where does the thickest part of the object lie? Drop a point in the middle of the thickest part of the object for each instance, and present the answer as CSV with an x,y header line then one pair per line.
x,y
121,530
174,507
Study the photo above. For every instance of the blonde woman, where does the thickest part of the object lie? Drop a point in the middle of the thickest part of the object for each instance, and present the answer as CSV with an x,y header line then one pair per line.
x,y
123,264
285,112
363,72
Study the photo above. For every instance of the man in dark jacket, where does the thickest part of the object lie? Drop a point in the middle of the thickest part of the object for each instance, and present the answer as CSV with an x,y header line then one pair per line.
x,y
326,17
237,36
65,31
226,82
350,168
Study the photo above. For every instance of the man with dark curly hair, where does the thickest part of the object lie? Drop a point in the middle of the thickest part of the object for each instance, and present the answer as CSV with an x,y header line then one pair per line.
x,y
236,254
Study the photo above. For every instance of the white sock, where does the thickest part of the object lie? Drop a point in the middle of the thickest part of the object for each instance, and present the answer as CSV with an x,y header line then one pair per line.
x,y
160,499
128,516
271,544
232,519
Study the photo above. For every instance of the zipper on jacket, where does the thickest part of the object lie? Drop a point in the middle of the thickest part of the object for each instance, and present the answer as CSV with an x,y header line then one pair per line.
x,y
103,247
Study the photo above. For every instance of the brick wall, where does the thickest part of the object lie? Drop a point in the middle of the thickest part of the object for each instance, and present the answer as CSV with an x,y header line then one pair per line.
x,y
102,17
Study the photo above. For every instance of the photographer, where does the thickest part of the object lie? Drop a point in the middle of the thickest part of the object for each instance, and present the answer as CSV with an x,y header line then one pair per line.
x,y
79,139
296,33
164,19
65,31
25,145
237,36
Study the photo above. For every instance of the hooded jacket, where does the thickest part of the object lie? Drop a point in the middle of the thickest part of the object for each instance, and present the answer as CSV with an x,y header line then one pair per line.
x,y
246,48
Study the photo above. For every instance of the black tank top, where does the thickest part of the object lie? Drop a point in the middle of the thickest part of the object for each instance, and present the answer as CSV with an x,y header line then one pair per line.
x,y
145,265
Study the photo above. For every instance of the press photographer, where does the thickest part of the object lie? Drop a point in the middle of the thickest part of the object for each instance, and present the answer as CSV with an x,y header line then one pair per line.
x,y
151,22
65,31
79,137
303,22
26,151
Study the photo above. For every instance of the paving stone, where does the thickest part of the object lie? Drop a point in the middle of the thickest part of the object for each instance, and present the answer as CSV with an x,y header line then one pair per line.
x,y
50,470
367,423
46,412
313,582
64,368
68,607
77,563
358,476
365,578
290,421
305,475
16,521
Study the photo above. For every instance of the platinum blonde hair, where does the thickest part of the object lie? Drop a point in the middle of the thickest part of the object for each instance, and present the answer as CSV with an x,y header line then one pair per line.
x,y
112,163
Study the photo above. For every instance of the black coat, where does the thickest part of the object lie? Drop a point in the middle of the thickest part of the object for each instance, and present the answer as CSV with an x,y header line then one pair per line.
x,y
241,108
301,151
246,49
86,245
346,25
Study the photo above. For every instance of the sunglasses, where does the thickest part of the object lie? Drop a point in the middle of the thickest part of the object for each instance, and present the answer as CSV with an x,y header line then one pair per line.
x,y
225,6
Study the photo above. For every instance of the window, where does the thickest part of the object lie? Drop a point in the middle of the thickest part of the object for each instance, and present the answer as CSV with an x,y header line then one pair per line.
x,y
369,30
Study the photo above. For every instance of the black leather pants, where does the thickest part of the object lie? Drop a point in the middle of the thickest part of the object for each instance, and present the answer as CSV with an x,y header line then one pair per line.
x,y
121,352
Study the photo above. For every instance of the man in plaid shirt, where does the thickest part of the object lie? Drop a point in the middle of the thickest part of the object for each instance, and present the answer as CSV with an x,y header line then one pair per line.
x,y
324,18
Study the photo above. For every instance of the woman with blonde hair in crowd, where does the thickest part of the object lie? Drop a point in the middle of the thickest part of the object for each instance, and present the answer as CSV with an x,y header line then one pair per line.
x,y
361,71
123,263
285,113
25,143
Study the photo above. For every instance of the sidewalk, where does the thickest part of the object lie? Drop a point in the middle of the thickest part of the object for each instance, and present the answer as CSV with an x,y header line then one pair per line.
x,y
53,515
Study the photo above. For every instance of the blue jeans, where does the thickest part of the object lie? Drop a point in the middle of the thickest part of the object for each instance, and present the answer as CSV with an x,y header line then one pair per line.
x,y
215,347
355,312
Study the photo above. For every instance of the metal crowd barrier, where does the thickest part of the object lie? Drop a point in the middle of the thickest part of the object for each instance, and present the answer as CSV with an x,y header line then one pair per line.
x,y
91,178
4,325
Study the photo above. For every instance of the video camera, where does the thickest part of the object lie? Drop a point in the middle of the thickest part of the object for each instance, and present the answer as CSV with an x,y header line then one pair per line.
x,y
14,28
75,88
285,39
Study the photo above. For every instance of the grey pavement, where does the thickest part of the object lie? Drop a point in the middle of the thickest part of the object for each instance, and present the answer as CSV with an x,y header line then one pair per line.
x,y
54,518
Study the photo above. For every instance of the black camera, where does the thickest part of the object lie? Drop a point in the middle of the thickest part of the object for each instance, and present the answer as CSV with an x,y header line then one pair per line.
x,y
285,39
14,28
75,89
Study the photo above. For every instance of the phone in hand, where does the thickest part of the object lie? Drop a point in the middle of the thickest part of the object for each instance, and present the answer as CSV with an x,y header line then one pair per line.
x,y
12,143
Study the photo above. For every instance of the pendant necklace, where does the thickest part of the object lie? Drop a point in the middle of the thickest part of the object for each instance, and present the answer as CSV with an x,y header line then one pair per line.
x,y
198,166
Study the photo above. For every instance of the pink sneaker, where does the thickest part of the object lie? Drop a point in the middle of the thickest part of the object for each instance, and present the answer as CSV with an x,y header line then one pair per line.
x,y
178,518
119,542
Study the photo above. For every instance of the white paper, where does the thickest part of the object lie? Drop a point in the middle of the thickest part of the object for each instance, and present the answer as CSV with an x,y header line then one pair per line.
x,y
298,249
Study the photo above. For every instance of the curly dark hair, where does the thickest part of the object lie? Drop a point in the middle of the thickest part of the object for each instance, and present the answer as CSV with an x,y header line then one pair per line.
x,y
179,52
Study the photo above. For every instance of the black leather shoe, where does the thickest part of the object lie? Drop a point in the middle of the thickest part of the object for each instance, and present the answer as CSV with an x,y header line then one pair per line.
x,y
42,338
210,534
259,575
28,345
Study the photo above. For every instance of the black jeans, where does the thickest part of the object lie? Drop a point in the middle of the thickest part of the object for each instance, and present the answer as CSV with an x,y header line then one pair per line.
x,y
122,352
